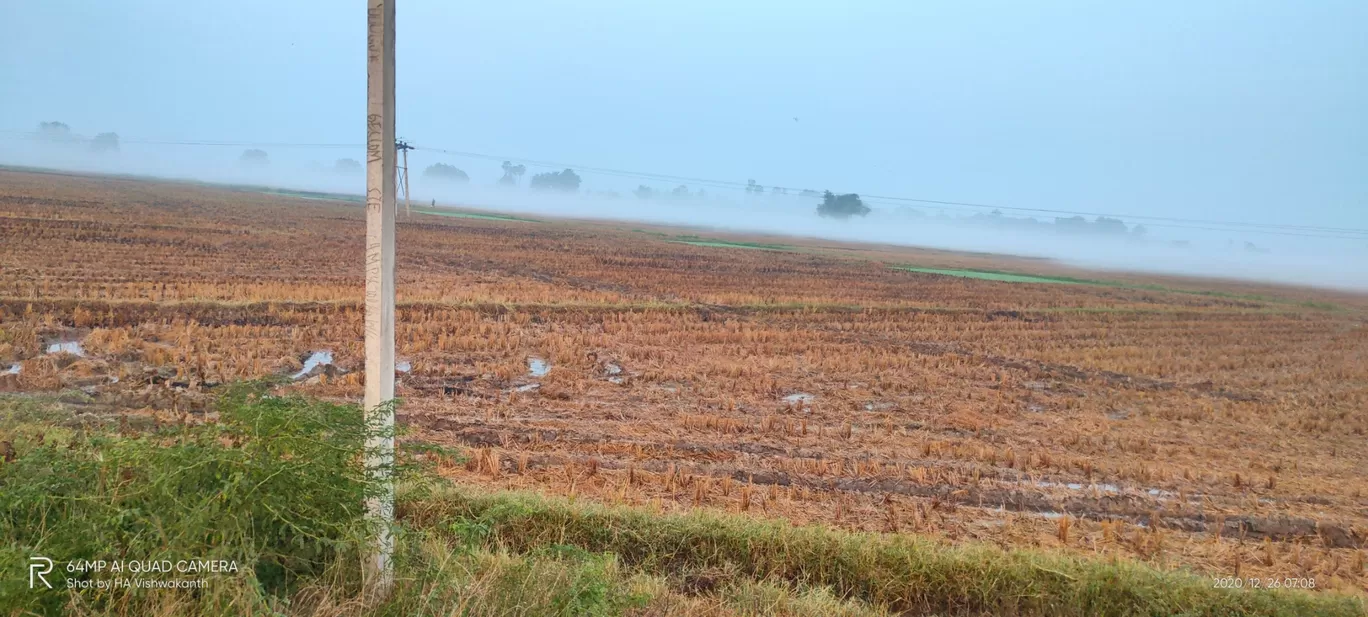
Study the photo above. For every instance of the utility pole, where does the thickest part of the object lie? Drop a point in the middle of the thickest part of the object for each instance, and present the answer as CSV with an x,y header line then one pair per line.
x,y
403,148
380,206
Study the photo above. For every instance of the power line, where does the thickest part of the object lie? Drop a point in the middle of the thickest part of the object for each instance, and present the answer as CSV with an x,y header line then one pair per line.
x,y
1152,221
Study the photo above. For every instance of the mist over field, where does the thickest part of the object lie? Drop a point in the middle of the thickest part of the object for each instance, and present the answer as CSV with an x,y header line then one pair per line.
x,y
1163,247
1247,112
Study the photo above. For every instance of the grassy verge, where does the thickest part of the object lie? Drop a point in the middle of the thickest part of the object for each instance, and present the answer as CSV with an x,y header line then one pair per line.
x,y
901,573
274,486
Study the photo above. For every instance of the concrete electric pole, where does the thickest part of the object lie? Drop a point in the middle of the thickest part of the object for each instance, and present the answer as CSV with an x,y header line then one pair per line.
x,y
402,183
380,207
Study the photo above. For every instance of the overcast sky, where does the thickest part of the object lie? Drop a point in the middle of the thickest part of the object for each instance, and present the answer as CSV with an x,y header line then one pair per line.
x,y
1244,110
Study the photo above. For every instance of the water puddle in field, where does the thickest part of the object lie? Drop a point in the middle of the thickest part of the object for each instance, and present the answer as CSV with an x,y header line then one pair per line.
x,y
403,366
800,397
315,360
72,347
538,367
527,388
1077,486
1050,514
612,369
1105,488
14,369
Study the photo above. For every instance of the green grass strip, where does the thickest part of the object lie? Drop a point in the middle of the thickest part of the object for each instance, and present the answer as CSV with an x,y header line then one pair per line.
x,y
985,275
904,573
733,245
474,215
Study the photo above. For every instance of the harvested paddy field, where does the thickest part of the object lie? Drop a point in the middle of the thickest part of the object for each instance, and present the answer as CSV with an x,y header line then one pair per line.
x,y
1219,427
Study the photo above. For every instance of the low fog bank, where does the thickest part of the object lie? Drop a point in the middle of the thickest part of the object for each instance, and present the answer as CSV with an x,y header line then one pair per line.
x,y
1333,263
286,169
1318,261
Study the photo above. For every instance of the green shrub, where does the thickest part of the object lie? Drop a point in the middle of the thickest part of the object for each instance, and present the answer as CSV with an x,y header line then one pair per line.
x,y
275,486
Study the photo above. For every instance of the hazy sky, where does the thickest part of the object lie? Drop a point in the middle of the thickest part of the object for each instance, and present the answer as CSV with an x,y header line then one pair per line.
x,y
1246,110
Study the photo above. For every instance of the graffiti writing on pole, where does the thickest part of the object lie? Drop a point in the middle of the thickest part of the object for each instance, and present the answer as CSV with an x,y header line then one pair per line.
x,y
375,139
376,22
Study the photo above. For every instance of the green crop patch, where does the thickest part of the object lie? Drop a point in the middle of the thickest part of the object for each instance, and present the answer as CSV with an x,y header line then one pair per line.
x,y
1006,277
735,245
475,215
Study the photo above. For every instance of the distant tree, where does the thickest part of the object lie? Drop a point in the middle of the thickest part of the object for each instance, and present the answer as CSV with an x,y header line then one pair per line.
x,y
445,173
841,206
55,131
644,192
681,192
511,173
105,142
1109,226
1073,224
753,188
1102,225
253,158
347,167
1138,231
567,181
809,193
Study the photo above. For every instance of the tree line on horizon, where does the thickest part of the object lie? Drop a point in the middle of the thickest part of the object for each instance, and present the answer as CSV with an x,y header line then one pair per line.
x,y
566,181
60,133
832,205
